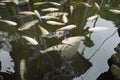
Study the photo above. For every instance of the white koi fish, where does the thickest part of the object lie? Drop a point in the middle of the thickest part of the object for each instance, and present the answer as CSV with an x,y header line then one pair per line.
x,y
73,40
57,14
48,17
64,18
43,30
115,11
9,22
92,18
55,23
50,9
97,29
27,13
31,40
57,34
37,14
59,47
68,27
97,6
22,69
85,4
55,3
39,3
28,25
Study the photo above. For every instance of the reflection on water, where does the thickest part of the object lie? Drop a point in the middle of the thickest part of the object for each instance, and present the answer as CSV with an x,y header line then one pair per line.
x,y
33,49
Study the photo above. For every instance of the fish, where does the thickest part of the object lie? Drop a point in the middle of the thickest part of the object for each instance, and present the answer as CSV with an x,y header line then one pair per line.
x,y
9,22
48,17
6,1
50,9
55,3
97,6
57,34
2,4
92,18
86,4
28,25
68,27
55,23
27,13
31,40
97,29
37,14
43,30
17,2
64,18
73,40
71,9
22,69
56,14
115,11
39,3
59,47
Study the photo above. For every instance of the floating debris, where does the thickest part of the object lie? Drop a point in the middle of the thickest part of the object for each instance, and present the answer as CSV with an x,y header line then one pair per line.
x,y
115,11
43,30
85,4
50,9
64,18
59,47
31,40
68,27
97,6
55,3
22,69
9,22
97,29
28,25
92,18
27,13
55,23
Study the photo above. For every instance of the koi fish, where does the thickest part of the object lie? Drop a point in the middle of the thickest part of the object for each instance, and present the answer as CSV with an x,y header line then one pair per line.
x,y
28,25
73,40
57,34
43,30
55,23
68,27
59,47
115,11
64,18
97,29
9,22
22,69
27,13
92,18
85,4
50,9
31,40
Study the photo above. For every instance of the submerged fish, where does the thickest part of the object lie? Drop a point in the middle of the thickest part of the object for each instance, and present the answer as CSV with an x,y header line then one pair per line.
x,y
39,3
64,18
92,18
57,34
57,14
59,47
28,25
73,40
97,6
6,1
17,2
71,9
55,23
55,3
48,17
50,9
31,40
43,30
22,69
9,22
27,13
97,29
37,14
68,27
2,4
115,11
86,4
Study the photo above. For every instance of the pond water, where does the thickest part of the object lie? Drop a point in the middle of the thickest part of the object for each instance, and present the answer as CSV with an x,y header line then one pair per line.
x,y
21,60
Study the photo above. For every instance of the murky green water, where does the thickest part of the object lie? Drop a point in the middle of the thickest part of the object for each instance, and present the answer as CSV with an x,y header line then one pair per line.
x,y
18,57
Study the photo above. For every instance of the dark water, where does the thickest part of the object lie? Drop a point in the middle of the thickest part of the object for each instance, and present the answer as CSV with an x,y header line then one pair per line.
x,y
43,66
